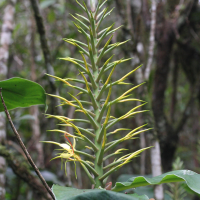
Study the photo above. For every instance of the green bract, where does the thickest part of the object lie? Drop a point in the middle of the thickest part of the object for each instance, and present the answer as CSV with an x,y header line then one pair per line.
x,y
91,69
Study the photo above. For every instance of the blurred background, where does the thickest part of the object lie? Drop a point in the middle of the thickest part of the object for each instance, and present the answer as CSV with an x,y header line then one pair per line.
x,y
164,37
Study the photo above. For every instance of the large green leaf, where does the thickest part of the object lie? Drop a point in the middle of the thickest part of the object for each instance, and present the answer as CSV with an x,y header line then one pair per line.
x,y
19,92
147,190
67,193
191,178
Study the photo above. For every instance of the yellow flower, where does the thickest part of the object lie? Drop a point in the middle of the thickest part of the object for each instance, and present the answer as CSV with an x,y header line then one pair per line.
x,y
68,153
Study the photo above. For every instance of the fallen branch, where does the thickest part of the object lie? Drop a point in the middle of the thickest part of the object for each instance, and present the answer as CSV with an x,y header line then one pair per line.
x,y
24,149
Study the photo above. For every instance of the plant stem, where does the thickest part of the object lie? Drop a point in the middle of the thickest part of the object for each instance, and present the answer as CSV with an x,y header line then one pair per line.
x,y
25,150
98,165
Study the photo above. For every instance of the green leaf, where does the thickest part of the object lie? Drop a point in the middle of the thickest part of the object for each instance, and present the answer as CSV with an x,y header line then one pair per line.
x,y
191,178
67,193
19,92
147,190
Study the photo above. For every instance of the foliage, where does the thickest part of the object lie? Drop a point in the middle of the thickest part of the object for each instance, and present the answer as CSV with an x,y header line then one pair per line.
x,y
64,193
19,92
191,179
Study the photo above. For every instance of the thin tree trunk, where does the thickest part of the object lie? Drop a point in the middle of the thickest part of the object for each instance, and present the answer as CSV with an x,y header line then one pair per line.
x,y
47,57
167,32
151,40
156,168
36,134
35,124
155,152
5,41
129,17
142,145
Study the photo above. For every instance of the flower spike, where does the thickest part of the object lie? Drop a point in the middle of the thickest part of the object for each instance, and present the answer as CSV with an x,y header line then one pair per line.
x,y
94,100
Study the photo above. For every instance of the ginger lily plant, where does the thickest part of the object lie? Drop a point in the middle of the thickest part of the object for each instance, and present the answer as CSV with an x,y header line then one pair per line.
x,y
99,115
96,109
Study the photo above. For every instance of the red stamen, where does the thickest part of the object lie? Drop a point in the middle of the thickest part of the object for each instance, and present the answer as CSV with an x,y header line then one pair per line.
x,y
69,142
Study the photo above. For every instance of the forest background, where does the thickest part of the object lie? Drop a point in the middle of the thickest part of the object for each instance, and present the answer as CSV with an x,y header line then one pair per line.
x,y
164,36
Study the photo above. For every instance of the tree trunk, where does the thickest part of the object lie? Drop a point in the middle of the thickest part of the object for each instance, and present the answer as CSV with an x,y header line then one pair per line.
x,y
165,40
5,41
35,124
157,169
156,165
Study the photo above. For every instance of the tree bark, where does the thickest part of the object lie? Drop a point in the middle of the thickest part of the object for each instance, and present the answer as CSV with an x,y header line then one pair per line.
x,y
5,41
156,165
35,124
151,40
166,34
163,128
47,57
